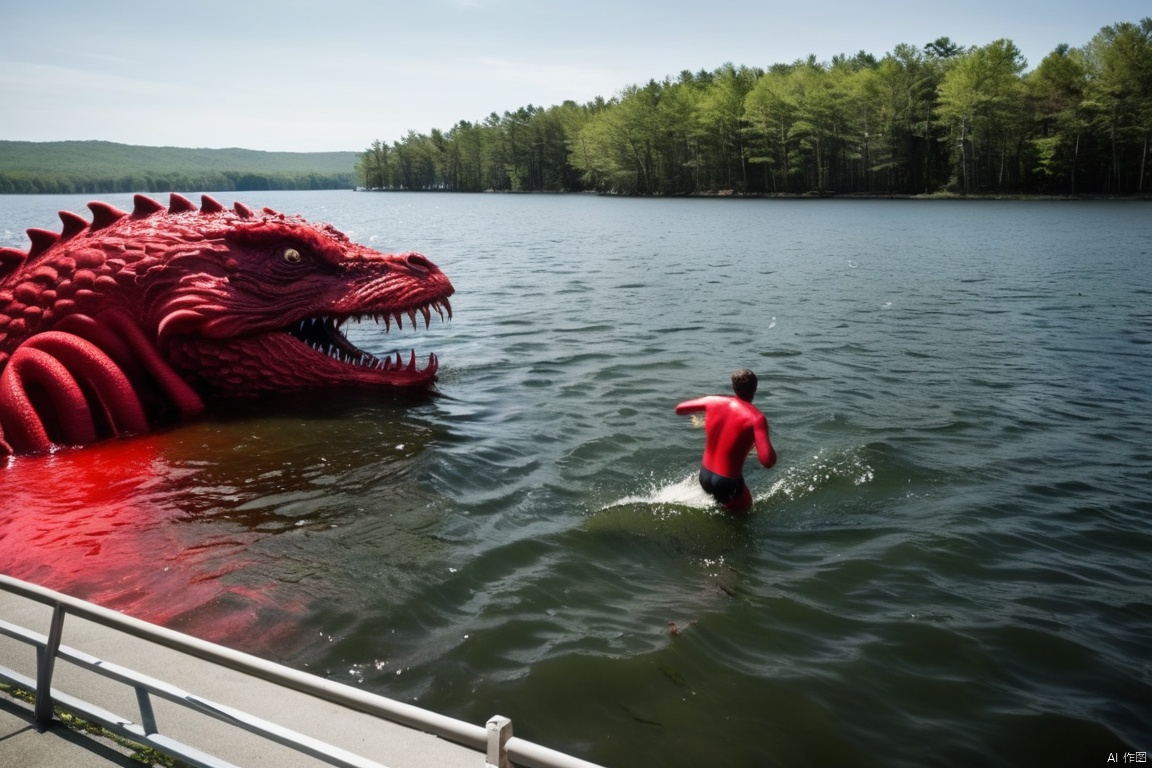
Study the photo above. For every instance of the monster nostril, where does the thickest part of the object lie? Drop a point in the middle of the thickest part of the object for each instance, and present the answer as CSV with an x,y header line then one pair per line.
x,y
419,264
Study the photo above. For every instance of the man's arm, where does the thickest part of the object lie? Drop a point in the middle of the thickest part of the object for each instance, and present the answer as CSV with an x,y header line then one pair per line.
x,y
692,406
764,450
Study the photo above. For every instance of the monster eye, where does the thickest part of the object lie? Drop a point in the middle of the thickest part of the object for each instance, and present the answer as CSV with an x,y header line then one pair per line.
x,y
292,256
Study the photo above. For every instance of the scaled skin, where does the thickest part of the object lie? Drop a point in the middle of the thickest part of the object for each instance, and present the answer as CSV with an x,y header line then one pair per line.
x,y
107,326
732,426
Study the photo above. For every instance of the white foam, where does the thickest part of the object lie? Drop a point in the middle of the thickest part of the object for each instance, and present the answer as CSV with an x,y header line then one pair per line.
x,y
824,468
686,492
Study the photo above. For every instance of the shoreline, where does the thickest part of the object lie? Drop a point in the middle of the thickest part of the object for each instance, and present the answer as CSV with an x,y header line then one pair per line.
x,y
732,194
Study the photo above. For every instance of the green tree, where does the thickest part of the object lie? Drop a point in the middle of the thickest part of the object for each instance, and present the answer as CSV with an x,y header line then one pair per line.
x,y
943,48
373,167
815,127
856,90
770,112
719,115
467,140
906,82
615,145
1119,90
630,145
981,99
1057,89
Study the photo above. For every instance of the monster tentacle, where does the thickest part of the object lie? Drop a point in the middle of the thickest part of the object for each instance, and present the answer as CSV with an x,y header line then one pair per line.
x,y
179,393
73,376
98,374
88,361
86,327
32,368
119,336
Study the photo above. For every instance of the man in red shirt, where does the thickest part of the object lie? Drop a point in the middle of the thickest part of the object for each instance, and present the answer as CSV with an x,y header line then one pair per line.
x,y
732,425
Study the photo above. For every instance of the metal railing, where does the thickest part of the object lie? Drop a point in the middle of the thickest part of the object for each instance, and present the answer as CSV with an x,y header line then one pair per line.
x,y
494,741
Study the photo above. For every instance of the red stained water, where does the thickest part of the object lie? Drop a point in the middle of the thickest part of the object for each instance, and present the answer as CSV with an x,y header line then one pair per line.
x,y
115,524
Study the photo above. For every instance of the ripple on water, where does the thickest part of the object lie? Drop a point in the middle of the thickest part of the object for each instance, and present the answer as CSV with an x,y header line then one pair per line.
x,y
947,566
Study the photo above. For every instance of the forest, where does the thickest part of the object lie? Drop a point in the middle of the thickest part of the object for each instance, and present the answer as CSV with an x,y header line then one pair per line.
x,y
943,119
73,167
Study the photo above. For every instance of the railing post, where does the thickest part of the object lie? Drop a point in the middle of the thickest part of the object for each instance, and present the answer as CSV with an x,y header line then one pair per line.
x,y
46,663
147,715
499,732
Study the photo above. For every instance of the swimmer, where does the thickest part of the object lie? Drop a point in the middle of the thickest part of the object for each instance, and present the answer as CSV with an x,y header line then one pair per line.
x,y
732,425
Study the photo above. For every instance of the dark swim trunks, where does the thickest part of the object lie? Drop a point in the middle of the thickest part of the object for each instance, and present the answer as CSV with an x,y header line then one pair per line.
x,y
723,489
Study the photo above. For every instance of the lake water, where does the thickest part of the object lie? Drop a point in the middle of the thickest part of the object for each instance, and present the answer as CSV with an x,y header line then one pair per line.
x,y
950,565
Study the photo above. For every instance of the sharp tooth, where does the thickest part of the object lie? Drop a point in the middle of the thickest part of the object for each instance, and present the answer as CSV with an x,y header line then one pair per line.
x,y
412,361
412,317
427,316
399,320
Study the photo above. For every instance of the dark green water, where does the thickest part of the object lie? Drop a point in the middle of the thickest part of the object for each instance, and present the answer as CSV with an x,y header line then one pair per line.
x,y
949,565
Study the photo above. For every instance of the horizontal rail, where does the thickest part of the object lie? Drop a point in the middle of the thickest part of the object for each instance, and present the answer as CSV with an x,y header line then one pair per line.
x,y
518,751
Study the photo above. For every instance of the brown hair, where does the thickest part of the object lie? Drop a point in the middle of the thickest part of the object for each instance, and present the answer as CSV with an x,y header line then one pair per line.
x,y
744,384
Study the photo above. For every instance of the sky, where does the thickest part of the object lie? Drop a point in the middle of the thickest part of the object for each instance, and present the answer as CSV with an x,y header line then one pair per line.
x,y
332,75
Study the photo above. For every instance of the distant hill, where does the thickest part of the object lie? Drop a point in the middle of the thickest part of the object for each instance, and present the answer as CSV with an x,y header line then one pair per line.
x,y
104,166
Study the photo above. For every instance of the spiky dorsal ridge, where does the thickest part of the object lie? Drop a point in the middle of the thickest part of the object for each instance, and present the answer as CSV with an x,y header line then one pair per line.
x,y
104,216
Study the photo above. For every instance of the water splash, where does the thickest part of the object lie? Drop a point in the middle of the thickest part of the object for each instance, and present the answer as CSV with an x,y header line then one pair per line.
x,y
683,493
824,470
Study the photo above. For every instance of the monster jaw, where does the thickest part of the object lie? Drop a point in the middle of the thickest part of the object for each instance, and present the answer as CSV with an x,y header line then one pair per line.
x,y
323,335
310,355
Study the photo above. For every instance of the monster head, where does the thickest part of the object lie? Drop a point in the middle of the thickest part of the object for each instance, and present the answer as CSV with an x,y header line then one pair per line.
x,y
238,302
107,324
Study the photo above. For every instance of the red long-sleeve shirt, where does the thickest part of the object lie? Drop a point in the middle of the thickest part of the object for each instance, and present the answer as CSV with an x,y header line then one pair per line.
x,y
731,427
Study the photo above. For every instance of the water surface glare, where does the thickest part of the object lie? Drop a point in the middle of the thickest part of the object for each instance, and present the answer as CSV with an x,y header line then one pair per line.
x,y
949,565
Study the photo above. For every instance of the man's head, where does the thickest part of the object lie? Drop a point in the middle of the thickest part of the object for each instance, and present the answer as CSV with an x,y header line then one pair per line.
x,y
744,384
